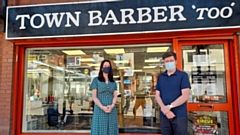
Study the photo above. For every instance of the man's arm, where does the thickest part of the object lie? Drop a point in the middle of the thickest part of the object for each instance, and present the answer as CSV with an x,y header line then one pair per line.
x,y
169,114
158,99
165,109
182,99
185,88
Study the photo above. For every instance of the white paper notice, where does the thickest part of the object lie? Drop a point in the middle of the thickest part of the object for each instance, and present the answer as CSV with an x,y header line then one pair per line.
x,y
211,89
201,60
198,89
220,87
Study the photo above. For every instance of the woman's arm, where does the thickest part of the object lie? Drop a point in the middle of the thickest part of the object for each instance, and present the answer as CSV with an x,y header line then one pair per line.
x,y
114,98
95,99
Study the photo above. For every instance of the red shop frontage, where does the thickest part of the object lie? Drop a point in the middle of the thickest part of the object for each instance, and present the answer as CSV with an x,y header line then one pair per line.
x,y
58,48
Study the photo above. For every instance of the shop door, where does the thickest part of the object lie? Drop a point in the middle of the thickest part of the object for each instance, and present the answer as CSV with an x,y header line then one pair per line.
x,y
210,104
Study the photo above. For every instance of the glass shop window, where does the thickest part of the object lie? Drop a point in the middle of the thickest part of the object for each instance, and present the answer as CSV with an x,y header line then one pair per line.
x,y
57,95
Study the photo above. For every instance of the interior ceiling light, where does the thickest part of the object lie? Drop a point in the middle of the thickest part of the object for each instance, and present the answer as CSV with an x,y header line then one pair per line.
x,y
157,49
149,67
138,70
123,67
120,61
114,51
97,68
94,65
152,60
74,52
86,59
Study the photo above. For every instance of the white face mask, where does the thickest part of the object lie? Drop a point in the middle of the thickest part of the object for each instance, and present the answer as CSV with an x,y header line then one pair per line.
x,y
170,66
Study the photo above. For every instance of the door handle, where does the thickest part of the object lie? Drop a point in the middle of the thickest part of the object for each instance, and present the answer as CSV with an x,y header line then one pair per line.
x,y
205,106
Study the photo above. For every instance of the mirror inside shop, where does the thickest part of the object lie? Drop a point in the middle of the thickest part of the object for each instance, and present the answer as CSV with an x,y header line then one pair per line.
x,y
57,86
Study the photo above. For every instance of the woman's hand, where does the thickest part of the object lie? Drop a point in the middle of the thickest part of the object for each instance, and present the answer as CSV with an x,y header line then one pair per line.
x,y
106,109
111,107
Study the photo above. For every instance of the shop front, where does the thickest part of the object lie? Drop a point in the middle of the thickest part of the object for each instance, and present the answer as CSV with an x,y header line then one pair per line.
x,y
59,48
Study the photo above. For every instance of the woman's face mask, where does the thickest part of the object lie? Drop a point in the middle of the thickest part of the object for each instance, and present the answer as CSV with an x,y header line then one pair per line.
x,y
106,70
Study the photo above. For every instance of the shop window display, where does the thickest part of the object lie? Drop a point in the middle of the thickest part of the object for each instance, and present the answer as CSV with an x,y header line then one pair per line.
x,y
57,95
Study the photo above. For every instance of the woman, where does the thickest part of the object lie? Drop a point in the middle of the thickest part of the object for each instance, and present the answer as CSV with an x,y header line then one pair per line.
x,y
104,95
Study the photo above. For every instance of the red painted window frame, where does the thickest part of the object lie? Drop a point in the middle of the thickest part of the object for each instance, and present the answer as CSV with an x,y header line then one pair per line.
x,y
174,37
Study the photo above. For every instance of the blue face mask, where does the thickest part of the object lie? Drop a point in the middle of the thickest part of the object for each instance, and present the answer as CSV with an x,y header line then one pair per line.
x,y
170,66
106,70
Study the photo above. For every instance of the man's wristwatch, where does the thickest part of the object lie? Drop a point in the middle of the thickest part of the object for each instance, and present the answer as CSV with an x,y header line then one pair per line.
x,y
171,106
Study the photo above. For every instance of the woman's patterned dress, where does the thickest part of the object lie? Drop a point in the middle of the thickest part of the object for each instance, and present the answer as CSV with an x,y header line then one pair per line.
x,y
104,123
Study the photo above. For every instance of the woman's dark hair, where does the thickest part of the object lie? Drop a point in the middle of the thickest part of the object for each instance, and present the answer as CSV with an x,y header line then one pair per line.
x,y
169,54
100,74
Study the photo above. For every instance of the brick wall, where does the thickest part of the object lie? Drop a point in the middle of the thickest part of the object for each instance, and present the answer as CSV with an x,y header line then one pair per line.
x,y
6,73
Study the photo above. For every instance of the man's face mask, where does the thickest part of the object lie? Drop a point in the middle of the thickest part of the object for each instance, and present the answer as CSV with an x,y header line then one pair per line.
x,y
170,66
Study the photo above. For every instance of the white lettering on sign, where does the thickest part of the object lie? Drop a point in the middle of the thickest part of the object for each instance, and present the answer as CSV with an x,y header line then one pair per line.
x,y
140,15
50,18
42,21
230,11
214,12
129,16
22,20
54,18
92,18
96,18
70,17
157,14
110,16
173,13
146,14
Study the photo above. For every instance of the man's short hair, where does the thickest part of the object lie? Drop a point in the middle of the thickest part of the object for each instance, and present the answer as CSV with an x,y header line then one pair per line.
x,y
169,54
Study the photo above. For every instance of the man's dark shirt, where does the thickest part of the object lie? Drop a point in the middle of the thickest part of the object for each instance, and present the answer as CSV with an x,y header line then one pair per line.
x,y
170,88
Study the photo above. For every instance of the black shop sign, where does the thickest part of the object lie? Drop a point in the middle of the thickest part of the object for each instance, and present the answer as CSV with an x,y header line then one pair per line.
x,y
119,17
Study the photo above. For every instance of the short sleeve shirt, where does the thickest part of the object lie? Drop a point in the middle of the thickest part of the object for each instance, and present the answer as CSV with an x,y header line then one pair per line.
x,y
170,88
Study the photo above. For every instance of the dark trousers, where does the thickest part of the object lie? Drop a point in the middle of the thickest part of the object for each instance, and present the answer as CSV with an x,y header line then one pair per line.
x,y
175,126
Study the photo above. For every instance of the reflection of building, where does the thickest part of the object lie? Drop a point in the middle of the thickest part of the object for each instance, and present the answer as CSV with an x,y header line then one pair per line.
x,y
34,59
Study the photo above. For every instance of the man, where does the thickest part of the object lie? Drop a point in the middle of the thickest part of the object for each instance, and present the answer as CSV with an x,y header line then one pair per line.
x,y
172,92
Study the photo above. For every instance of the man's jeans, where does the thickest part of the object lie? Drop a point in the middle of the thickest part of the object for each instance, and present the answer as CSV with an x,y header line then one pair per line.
x,y
175,126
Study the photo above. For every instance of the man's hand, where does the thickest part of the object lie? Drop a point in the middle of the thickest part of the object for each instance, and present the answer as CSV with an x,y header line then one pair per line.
x,y
165,109
170,115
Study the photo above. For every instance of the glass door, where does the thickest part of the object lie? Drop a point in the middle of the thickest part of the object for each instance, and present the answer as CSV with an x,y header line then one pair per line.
x,y
209,104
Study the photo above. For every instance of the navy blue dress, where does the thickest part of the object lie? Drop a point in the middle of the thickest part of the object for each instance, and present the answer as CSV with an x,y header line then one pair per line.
x,y
104,123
